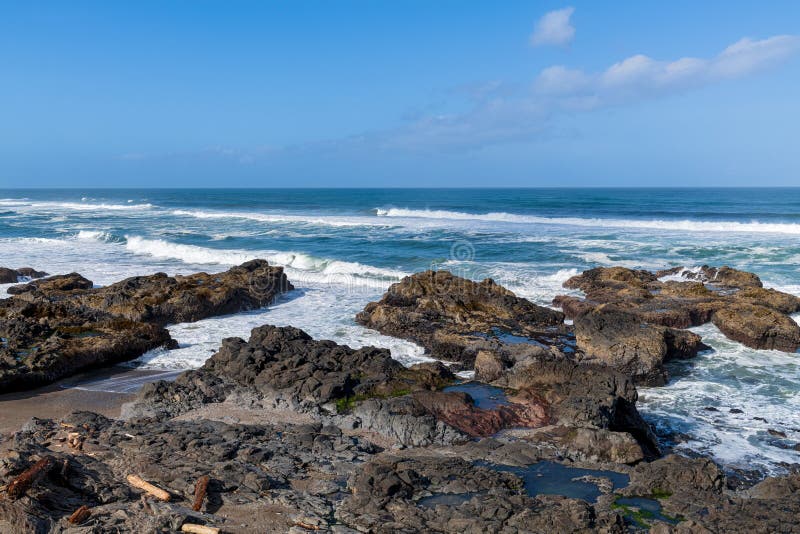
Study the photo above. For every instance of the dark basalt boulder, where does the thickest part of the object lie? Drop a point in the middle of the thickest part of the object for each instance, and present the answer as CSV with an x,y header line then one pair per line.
x,y
280,477
162,299
58,283
12,276
453,318
623,341
758,327
483,325
45,341
733,300
54,327
283,368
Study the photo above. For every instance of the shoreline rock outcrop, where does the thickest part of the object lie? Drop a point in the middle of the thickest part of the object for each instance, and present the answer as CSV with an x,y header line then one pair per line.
x,y
735,301
454,318
282,454
13,276
54,327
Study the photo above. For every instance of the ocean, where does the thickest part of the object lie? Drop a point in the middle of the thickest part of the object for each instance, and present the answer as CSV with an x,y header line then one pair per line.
x,y
343,247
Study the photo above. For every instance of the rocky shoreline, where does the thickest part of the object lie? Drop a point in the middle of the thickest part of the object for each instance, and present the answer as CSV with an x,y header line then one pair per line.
x,y
54,327
285,433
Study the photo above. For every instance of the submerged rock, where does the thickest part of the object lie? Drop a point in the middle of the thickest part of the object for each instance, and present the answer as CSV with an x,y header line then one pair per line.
x,y
57,326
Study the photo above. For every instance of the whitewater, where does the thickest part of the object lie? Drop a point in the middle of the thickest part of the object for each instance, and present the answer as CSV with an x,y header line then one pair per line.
x,y
343,248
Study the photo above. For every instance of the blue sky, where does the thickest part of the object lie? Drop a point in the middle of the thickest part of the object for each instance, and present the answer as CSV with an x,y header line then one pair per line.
x,y
411,93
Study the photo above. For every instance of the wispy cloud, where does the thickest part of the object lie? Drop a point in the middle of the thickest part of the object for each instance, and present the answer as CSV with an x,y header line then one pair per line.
x,y
560,89
641,76
554,28
498,112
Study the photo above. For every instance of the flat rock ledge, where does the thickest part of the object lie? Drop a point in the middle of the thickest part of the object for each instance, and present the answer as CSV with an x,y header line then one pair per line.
x,y
54,327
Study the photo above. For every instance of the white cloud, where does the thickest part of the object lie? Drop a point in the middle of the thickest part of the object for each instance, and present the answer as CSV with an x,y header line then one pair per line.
x,y
746,55
641,76
561,80
554,28
557,89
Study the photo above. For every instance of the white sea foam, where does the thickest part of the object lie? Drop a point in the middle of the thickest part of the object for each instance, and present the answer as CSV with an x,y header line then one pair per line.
x,y
668,225
317,220
324,312
301,268
95,235
81,206
762,384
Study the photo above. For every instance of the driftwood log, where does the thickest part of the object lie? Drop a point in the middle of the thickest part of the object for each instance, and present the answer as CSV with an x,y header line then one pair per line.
x,y
31,476
200,490
158,493
198,529
80,515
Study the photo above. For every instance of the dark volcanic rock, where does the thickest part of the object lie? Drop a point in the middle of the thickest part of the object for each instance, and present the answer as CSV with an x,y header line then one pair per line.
x,y
621,340
61,282
56,326
386,493
514,344
734,300
694,491
45,340
284,369
12,276
162,299
451,316
312,454
758,326
287,361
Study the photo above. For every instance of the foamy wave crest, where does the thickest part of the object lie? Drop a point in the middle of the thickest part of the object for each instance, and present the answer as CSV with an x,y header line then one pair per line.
x,y
277,218
81,206
96,235
299,267
667,225
540,289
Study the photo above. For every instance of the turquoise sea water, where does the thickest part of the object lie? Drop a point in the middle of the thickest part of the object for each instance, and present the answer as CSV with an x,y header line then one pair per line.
x,y
343,248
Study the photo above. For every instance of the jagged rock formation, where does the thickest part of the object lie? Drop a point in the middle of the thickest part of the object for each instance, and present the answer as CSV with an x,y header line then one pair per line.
x,y
54,327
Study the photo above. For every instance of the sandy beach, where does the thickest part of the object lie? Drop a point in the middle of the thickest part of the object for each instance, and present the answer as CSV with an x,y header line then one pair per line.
x,y
102,391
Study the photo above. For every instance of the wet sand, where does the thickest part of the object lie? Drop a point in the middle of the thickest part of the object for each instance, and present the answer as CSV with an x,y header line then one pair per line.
x,y
103,391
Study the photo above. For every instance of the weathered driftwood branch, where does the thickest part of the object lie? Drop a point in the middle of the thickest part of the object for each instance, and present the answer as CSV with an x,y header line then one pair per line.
x,y
200,490
80,515
158,493
198,529
30,477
